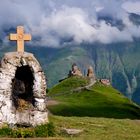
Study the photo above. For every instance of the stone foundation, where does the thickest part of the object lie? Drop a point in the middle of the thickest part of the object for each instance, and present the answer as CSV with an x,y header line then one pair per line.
x,y
22,90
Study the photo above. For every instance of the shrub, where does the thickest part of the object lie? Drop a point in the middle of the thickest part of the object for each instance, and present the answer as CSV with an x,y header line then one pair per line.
x,y
5,131
51,129
23,133
45,130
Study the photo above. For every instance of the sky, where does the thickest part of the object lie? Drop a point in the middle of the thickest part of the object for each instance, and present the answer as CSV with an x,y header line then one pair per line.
x,y
56,23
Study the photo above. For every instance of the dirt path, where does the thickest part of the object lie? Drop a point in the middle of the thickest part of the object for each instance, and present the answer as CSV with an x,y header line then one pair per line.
x,y
51,102
91,83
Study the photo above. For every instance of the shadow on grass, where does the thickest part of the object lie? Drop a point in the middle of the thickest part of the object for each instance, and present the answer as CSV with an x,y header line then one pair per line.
x,y
128,112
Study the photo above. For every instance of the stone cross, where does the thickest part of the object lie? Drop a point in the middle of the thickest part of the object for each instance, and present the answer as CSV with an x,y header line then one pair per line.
x,y
20,37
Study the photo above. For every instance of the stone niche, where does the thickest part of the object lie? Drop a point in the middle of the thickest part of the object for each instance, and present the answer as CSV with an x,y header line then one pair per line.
x,y
22,90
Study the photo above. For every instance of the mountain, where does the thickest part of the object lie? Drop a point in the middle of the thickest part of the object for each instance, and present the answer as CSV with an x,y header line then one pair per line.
x,y
119,62
97,101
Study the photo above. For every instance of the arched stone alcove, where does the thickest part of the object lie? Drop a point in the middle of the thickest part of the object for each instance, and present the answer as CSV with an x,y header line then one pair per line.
x,y
22,90
22,87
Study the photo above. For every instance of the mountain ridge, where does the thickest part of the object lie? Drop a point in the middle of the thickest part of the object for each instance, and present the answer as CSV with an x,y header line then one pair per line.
x,y
117,62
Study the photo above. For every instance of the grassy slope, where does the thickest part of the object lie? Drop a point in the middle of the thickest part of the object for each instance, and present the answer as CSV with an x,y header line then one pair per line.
x,y
98,111
98,128
99,101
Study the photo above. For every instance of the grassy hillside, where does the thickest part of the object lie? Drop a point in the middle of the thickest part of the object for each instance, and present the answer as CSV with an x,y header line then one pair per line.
x,y
95,128
99,101
102,112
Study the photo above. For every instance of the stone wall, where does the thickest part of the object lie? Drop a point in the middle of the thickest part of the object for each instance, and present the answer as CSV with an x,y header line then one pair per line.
x,y
37,114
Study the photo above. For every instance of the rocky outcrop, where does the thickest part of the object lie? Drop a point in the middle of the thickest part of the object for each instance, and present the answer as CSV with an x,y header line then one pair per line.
x,y
72,131
22,69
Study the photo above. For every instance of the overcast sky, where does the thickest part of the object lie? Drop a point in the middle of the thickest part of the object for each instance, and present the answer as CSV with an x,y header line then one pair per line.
x,y
57,22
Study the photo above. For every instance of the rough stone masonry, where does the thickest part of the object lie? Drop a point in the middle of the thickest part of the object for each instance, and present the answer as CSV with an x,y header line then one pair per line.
x,y
24,105
22,86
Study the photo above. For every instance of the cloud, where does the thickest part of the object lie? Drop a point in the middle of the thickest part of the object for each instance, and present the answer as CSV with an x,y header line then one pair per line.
x,y
56,23
132,6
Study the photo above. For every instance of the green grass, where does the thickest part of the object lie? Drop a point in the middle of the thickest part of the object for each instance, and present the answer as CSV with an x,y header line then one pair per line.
x,y
99,101
44,130
68,85
98,128
102,112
